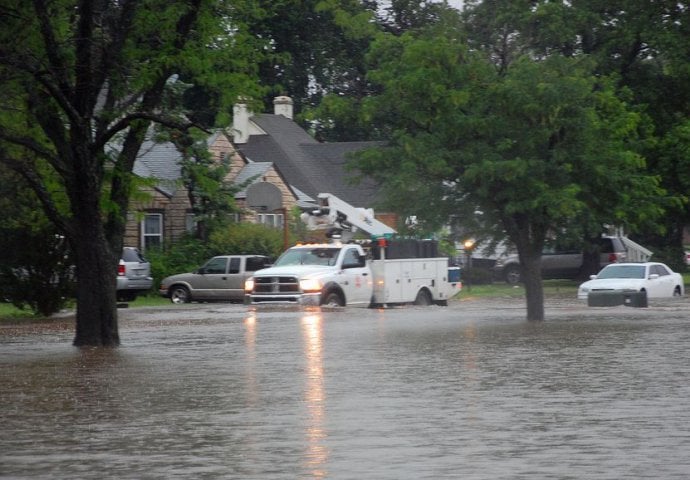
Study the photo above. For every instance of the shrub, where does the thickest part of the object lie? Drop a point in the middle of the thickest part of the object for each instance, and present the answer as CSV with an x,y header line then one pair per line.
x,y
189,253
247,239
35,270
477,276
185,255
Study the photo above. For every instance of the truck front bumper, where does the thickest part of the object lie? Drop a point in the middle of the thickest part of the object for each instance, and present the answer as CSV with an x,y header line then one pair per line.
x,y
306,299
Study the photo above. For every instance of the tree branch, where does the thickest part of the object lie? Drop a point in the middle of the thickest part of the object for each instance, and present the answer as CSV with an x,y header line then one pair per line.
x,y
27,169
55,58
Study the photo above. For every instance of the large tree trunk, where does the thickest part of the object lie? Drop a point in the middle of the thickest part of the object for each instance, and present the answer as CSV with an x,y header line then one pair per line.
x,y
534,289
96,284
591,259
528,238
95,260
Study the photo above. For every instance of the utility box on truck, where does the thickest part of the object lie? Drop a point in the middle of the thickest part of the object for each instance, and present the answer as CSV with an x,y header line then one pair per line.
x,y
422,281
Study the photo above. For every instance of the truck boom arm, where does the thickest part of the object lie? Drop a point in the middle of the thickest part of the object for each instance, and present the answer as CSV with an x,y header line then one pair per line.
x,y
336,213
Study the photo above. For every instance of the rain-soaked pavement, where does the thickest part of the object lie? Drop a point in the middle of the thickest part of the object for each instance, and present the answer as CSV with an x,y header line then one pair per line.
x,y
471,391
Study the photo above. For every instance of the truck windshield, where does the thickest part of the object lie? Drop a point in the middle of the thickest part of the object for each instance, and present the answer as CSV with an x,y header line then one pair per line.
x,y
308,256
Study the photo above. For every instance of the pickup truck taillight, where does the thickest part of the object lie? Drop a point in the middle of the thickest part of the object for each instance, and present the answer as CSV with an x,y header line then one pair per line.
x,y
120,270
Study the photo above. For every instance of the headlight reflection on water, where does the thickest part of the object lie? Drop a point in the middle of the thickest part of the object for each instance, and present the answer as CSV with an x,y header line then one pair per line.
x,y
314,395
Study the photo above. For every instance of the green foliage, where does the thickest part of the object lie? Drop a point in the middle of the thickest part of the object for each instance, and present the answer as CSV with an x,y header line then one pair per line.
x,y
82,84
542,142
210,195
477,276
189,253
185,255
35,267
641,46
247,238
536,145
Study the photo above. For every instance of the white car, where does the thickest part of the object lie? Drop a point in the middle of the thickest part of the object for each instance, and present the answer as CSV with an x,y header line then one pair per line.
x,y
656,279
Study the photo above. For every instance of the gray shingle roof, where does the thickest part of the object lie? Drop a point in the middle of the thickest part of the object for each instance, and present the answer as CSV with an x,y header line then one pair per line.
x,y
252,169
307,165
160,161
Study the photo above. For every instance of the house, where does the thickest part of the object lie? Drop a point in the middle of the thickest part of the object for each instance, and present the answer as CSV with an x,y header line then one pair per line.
x,y
262,148
161,212
310,167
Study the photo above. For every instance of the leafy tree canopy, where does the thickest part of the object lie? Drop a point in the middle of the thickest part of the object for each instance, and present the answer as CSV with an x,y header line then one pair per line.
x,y
82,83
527,145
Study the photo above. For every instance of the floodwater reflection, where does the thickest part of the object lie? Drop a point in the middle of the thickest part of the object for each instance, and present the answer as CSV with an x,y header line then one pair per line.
x,y
314,395
419,393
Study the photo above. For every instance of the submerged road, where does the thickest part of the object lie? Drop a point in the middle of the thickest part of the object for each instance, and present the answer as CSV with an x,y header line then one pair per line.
x,y
471,391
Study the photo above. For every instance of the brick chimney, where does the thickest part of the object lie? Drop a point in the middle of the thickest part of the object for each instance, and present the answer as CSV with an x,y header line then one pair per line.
x,y
282,105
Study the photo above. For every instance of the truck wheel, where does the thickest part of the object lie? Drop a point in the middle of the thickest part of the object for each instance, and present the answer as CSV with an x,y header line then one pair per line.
x,y
179,295
423,298
512,274
125,296
333,300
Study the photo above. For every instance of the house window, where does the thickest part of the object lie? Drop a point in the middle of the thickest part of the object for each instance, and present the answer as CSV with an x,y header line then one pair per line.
x,y
270,219
152,230
190,223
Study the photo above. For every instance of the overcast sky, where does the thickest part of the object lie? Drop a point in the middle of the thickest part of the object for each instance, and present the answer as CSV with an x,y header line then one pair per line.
x,y
455,3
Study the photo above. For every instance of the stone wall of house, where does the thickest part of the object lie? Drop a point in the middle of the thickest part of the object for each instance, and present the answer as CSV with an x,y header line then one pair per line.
x,y
174,211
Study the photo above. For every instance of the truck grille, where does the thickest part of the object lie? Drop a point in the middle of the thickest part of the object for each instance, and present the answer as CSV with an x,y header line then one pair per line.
x,y
276,285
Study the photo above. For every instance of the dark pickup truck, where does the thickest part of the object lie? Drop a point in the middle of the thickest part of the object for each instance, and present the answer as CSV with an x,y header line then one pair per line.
x,y
561,263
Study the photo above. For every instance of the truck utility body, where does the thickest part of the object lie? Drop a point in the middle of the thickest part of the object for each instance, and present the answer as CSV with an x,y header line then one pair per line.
x,y
422,281
339,274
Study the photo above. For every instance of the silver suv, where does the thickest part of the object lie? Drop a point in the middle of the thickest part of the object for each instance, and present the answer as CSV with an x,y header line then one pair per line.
x,y
133,275
561,263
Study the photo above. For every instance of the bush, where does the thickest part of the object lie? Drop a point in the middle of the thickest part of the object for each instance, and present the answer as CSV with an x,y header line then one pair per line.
x,y
185,255
477,276
247,239
35,270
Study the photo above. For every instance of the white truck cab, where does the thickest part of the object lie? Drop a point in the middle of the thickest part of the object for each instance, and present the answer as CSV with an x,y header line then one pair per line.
x,y
330,274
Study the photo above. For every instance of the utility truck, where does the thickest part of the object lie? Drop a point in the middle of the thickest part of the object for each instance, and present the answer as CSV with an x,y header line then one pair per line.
x,y
379,272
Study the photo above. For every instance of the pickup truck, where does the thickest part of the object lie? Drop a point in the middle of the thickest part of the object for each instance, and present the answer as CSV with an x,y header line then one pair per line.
x,y
562,263
221,278
340,274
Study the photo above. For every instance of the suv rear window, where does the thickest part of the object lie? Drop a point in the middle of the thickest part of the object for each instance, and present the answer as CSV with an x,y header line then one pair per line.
x,y
132,255
610,245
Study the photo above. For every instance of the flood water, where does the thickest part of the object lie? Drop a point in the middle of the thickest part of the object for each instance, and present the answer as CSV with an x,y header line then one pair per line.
x,y
223,391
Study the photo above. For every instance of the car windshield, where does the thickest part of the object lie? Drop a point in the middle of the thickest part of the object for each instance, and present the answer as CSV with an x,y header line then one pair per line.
x,y
308,256
622,271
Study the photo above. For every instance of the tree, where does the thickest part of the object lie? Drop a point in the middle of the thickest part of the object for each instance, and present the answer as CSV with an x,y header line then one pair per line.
x,y
522,143
211,196
82,83
334,109
35,267
315,47
643,47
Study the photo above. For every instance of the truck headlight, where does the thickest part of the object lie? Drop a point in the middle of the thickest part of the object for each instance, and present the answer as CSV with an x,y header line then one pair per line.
x,y
310,285
249,284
